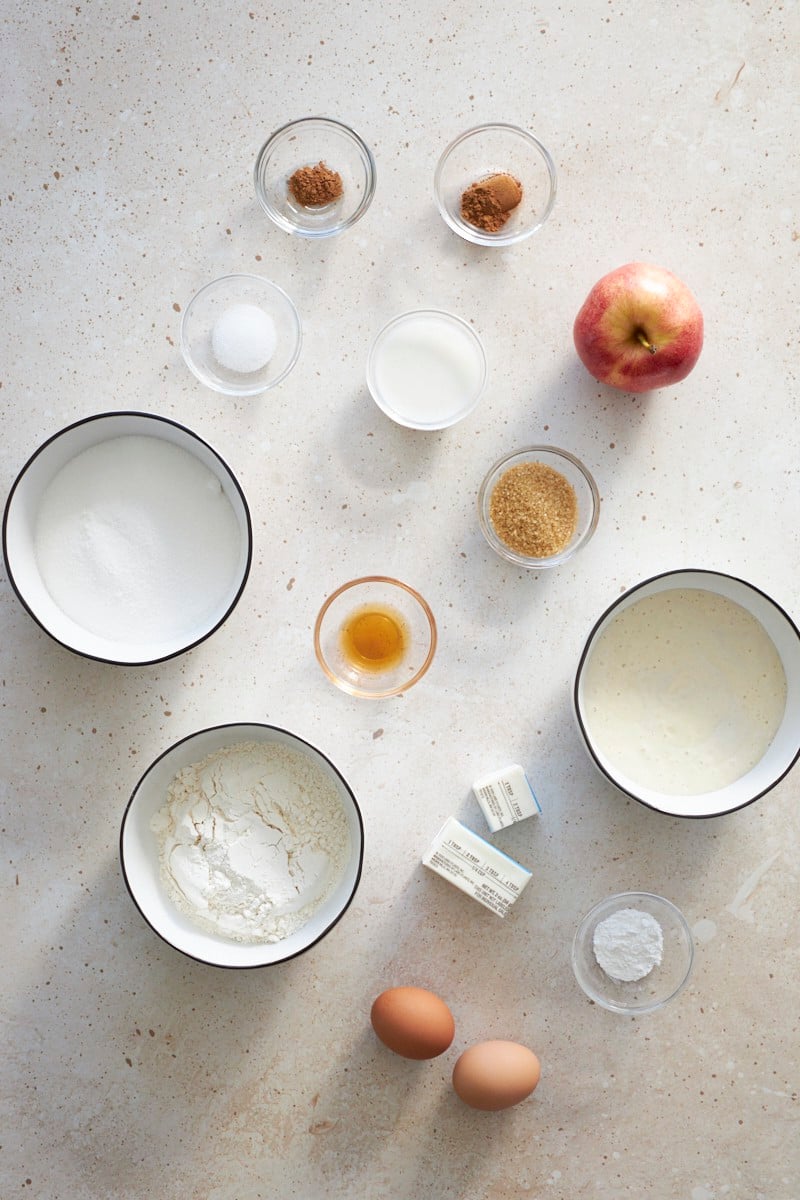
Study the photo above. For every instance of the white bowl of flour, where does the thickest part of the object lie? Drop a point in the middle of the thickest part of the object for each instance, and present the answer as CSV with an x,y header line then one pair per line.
x,y
687,695
127,538
242,845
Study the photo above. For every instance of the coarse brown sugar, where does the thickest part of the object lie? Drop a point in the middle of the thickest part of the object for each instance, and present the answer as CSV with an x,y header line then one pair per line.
x,y
534,510
315,185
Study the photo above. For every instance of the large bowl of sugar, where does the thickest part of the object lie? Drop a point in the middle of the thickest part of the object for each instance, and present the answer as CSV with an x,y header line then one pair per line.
x,y
242,845
127,538
687,693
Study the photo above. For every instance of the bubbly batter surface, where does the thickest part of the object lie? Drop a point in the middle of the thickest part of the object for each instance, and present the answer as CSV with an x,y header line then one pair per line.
x,y
683,692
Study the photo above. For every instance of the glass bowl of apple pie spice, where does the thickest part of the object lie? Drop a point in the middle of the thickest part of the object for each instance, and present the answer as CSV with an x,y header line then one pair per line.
x,y
538,506
495,185
375,637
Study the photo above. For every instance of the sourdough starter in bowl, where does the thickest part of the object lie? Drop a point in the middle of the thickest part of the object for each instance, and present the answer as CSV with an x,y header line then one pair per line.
x,y
683,692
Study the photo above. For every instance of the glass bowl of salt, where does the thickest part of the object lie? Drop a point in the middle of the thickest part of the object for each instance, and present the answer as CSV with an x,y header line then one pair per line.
x,y
241,335
633,953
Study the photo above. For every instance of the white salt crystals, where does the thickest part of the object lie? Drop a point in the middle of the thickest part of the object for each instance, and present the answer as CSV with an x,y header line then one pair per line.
x,y
243,338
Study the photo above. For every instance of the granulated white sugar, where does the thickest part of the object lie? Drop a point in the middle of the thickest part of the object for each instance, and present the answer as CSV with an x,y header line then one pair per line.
x,y
137,542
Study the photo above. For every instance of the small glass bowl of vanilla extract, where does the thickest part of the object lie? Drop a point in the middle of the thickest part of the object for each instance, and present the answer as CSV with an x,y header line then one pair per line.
x,y
375,637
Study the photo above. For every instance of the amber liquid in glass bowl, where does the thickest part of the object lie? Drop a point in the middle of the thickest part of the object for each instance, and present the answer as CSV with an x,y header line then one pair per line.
x,y
374,638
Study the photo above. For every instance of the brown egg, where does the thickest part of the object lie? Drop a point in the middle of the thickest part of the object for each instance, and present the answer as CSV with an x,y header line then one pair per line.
x,y
413,1022
495,1075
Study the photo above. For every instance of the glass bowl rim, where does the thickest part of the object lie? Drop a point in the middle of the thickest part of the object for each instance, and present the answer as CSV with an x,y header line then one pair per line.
x,y
472,233
217,385
370,171
621,899
376,693
522,560
452,318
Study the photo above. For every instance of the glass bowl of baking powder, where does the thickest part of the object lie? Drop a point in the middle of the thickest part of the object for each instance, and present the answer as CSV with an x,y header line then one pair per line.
x,y
242,845
633,953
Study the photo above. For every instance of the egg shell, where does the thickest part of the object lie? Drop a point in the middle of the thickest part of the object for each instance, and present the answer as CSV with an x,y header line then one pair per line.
x,y
494,1075
413,1022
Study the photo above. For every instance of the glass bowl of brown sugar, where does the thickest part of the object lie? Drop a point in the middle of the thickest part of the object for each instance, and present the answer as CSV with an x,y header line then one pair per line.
x,y
538,506
495,185
315,177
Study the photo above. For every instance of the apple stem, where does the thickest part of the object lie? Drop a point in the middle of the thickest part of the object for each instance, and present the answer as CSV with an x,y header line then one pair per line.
x,y
644,339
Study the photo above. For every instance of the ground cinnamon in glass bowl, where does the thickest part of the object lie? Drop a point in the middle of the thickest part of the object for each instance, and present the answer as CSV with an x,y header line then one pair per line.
x,y
537,506
315,178
315,185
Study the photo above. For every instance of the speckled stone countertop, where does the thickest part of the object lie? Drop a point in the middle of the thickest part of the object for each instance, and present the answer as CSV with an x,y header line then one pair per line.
x,y
129,137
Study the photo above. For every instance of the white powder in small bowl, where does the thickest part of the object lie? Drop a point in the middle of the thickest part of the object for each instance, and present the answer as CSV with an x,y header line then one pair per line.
x,y
243,338
628,944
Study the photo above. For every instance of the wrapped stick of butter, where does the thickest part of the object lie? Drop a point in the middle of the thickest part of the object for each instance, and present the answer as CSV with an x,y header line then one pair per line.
x,y
476,867
506,797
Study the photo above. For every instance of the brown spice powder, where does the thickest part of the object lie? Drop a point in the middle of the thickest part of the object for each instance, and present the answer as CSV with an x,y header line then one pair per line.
x,y
489,203
314,186
534,509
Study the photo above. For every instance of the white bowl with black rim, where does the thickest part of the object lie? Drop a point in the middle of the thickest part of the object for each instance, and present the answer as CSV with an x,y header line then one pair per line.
x,y
687,693
127,538
141,850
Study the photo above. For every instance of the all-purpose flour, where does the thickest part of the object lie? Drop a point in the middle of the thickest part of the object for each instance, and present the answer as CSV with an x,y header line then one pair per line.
x,y
136,540
253,840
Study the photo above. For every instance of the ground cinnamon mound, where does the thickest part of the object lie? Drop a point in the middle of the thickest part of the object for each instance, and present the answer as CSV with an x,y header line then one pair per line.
x,y
488,203
534,510
313,186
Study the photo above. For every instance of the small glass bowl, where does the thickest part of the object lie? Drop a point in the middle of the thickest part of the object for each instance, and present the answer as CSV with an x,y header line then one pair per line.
x,y
305,143
585,490
665,980
490,150
385,595
426,369
210,303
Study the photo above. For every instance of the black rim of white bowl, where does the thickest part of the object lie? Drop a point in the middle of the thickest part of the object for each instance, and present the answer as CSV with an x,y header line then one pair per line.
x,y
293,737
129,412
677,571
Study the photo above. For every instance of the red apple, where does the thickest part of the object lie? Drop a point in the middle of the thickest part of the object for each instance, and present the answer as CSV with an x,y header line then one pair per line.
x,y
639,328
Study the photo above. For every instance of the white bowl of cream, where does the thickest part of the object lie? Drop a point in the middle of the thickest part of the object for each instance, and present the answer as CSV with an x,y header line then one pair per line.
x,y
242,845
127,538
687,694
